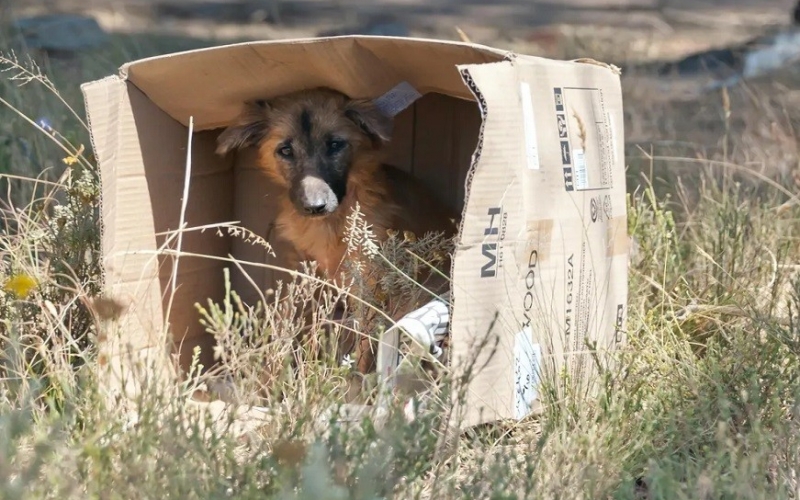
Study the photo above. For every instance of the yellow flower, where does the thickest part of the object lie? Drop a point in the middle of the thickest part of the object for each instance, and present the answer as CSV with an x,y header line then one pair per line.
x,y
72,160
20,285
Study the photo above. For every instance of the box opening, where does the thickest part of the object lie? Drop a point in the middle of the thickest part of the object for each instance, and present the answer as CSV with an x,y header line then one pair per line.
x,y
433,139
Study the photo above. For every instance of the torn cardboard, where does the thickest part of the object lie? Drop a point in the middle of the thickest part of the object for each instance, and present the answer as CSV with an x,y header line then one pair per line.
x,y
528,149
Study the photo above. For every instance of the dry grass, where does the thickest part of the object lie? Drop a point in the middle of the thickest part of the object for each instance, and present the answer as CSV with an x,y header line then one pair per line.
x,y
703,404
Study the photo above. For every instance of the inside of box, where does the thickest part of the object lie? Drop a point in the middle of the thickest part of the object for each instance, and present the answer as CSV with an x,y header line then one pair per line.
x,y
434,139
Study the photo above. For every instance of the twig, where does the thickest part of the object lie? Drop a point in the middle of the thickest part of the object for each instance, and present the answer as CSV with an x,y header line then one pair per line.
x,y
182,222
462,35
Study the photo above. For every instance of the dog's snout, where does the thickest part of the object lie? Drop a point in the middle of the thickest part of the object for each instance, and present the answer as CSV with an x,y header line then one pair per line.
x,y
315,208
315,197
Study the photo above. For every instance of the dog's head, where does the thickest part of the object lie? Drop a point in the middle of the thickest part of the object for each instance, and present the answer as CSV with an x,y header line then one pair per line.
x,y
310,142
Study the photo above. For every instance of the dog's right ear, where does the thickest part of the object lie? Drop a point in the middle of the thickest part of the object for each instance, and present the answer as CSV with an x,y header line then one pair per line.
x,y
369,118
249,129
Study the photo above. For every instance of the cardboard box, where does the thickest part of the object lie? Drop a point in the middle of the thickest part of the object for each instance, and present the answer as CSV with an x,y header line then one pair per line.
x,y
530,149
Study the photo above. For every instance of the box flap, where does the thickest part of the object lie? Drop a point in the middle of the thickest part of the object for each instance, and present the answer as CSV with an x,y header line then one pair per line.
x,y
127,277
212,83
141,155
542,261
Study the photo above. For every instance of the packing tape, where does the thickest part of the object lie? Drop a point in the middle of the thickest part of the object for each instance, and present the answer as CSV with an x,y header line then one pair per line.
x,y
397,99
539,237
617,236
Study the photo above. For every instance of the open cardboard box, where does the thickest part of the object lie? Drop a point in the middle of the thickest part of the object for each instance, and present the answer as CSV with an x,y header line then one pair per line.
x,y
529,149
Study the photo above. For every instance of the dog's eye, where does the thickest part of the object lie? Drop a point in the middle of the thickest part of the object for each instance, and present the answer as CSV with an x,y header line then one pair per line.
x,y
336,145
285,151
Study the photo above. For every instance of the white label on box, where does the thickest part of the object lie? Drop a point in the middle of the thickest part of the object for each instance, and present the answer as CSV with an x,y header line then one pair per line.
x,y
526,366
581,173
396,100
529,127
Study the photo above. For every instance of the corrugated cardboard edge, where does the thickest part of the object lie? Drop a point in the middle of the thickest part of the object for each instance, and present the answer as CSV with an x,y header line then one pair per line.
x,y
458,312
508,56
86,87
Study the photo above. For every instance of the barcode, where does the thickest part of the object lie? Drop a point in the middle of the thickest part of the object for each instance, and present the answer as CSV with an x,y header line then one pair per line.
x,y
581,175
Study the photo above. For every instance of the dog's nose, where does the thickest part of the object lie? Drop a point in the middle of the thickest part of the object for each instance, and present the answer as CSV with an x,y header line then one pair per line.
x,y
314,196
315,208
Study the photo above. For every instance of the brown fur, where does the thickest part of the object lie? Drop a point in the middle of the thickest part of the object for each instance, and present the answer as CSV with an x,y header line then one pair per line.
x,y
389,198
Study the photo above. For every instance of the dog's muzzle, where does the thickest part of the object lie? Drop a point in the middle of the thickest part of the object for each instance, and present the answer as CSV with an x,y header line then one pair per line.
x,y
315,197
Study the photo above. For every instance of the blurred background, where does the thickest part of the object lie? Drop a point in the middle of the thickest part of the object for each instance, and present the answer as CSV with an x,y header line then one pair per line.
x,y
622,30
675,56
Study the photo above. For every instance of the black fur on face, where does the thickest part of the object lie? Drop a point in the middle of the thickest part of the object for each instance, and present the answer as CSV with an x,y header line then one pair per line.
x,y
309,142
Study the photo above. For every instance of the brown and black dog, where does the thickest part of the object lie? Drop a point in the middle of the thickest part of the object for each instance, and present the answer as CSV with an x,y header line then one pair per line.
x,y
326,152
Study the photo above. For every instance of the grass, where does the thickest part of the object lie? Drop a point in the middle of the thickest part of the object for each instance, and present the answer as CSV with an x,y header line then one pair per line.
x,y
702,404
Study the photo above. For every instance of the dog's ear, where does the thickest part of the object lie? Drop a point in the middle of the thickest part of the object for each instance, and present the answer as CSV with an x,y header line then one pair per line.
x,y
250,127
367,116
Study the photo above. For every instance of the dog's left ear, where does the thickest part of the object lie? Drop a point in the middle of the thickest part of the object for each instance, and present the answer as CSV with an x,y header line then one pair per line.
x,y
367,116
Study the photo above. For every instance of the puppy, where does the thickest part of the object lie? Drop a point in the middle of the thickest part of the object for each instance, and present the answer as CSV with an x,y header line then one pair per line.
x,y
325,153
